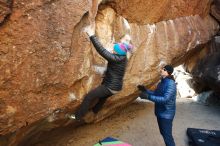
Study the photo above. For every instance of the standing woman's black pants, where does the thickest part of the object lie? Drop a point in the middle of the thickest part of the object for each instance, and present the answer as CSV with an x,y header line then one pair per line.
x,y
100,94
165,126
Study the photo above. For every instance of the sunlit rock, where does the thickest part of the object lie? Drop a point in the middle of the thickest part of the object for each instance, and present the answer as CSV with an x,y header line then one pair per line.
x,y
48,64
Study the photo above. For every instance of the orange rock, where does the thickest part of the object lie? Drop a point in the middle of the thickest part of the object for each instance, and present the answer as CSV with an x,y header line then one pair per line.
x,y
47,62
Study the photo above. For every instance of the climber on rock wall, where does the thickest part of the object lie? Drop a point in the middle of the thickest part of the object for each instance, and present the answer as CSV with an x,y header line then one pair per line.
x,y
113,79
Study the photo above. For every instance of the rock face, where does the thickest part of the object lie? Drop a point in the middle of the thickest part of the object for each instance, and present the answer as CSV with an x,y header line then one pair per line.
x,y
5,9
206,69
152,11
47,63
42,57
182,78
204,65
215,9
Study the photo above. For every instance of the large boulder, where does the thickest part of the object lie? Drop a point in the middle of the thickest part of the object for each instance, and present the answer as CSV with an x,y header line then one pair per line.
x,y
47,63
206,69
152,11
43,56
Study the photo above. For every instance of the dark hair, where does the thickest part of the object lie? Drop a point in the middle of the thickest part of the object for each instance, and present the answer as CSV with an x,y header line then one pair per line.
x,y
169,69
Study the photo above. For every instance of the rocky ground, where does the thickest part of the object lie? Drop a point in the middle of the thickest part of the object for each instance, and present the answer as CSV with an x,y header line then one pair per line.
x,y
137,125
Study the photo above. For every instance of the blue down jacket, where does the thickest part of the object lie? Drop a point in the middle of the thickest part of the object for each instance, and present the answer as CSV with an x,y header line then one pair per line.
x,y
165,98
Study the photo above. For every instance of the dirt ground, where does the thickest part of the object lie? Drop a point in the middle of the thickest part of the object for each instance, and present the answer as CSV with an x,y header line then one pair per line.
x,y
137,125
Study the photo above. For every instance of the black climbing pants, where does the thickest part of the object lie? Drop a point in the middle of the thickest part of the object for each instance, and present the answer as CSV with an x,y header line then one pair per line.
x,y
165,126
98,96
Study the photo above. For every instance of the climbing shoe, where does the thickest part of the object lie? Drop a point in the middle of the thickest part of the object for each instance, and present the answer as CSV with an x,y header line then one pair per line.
x,y
71,116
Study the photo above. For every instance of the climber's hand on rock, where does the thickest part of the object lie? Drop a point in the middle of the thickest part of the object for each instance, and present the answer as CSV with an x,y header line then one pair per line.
x,y
90,29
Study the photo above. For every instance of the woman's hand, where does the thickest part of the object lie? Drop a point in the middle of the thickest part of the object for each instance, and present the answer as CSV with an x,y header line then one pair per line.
x,y
90,29
142,88
143,95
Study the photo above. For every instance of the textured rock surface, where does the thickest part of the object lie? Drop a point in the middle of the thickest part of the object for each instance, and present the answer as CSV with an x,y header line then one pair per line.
x,y
145,63
205,68
215,9
47,63
41,56
5,9
151,11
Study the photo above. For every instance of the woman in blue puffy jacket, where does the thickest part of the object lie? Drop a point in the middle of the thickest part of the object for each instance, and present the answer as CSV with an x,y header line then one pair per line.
x,y
165,103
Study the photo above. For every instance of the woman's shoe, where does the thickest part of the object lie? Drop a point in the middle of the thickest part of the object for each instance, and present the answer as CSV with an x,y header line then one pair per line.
x,y
71,116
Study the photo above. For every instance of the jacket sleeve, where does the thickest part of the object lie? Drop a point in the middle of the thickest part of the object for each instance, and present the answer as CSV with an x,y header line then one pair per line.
x,y
103,52
168,94
150,92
